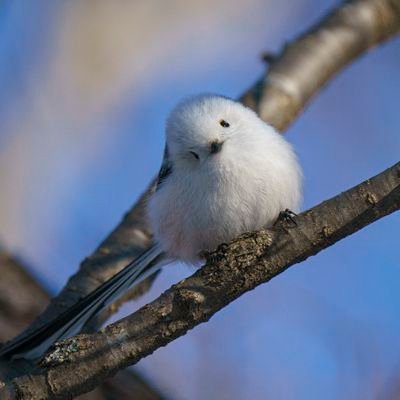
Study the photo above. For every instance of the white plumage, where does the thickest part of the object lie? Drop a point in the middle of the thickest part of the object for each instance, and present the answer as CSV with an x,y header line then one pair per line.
x,y
214,198
225,172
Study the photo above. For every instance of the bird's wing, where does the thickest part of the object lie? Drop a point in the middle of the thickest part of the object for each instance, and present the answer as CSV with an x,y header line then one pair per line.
x,y
166,168
35,343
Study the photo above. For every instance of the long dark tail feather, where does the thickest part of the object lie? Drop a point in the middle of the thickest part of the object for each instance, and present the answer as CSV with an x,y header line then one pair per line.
x,y
34,344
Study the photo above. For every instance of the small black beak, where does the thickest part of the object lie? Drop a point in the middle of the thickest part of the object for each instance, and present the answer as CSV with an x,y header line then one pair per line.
x,y
215,147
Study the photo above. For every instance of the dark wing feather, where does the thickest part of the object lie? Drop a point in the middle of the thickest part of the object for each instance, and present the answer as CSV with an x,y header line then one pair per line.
x,y
166,168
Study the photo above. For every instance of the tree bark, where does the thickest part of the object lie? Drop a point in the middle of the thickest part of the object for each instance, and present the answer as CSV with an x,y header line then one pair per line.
x,y
308,63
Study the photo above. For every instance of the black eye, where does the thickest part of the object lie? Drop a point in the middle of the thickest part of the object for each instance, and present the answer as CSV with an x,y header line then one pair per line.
x,y
195,155
224,124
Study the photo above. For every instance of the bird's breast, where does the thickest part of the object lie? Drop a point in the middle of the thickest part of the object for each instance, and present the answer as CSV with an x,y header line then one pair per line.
x,y
206,208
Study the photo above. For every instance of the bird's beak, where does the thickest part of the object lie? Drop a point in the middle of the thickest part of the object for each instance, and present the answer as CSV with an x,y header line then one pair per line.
x,y
215,147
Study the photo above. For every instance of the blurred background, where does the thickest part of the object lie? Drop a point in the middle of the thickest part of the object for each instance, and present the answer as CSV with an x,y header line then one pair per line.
x,y
85,89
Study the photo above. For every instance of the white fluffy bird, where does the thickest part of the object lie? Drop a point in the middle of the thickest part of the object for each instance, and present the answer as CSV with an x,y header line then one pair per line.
x,y
225,172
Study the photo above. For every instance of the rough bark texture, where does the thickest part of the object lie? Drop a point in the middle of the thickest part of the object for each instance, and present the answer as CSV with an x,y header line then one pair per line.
x,y
293,78
22,298
232,270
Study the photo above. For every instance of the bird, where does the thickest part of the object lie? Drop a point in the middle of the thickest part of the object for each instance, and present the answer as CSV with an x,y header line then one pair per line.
x,y
224,172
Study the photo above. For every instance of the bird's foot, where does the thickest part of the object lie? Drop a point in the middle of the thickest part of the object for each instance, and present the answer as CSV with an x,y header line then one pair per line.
x,y
287,216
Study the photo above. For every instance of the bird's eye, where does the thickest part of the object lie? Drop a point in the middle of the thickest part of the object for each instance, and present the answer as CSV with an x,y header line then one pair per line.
x,y
224,124
195,155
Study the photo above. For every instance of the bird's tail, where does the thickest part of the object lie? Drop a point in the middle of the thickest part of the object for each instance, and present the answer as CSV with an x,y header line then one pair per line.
x,y
35,343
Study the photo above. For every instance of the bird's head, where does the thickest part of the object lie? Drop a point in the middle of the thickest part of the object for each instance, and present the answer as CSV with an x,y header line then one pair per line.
x,y
202,129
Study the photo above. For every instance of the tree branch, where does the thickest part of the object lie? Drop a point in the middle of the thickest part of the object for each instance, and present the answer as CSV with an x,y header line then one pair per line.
x,y
232,270
308,63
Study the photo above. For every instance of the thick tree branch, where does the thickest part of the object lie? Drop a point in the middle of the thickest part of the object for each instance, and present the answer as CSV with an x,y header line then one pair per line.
x,y
308,63
232,270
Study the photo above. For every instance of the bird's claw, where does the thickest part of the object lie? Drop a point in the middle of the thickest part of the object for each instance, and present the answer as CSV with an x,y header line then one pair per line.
x,y
287,216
